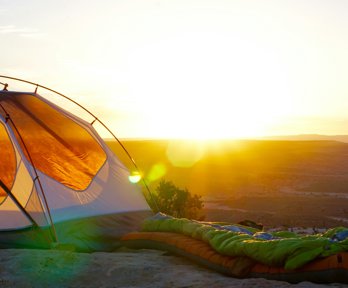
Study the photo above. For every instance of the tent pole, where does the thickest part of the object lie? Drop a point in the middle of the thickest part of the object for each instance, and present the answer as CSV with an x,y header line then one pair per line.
x,y
48,209
133,161
14,199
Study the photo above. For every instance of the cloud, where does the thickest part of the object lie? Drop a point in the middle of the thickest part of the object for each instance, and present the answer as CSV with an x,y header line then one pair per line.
x,y
3,11
8,29
22,32
32,35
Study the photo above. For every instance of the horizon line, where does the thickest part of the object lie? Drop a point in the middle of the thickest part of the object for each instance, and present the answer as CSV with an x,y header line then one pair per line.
x,y
268,137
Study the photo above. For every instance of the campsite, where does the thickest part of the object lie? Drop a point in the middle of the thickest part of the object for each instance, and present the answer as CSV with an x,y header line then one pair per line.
x,y
86,201
173,143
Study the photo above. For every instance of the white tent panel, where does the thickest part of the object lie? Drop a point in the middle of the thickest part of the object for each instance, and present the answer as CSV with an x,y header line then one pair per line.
x,y
110,192
23,185
11,217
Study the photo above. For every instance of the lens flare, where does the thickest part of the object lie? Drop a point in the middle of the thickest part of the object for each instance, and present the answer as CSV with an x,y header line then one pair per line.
x,y
184,153
157,171
134,177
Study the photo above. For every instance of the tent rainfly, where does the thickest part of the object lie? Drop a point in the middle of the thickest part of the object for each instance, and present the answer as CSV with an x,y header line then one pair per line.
x,y
59,181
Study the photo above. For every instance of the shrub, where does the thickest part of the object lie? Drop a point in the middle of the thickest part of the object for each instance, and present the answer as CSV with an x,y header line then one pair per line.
x,y
177,202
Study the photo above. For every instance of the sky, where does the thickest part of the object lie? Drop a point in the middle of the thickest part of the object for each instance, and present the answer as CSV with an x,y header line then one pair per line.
x,y
187,68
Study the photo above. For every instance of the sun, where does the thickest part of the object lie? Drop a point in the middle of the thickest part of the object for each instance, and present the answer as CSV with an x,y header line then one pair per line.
x,y
203,89
206,121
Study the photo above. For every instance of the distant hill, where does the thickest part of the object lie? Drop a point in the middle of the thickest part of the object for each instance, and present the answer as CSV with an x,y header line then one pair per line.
x,y
249,167
292,183
311,137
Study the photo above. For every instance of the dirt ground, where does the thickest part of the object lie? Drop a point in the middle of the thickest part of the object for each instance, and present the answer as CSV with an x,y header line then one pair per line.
x,y
286,211
128,268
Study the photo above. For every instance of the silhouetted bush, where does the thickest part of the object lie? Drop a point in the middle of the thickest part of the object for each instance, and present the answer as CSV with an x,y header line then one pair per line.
x,y
177,202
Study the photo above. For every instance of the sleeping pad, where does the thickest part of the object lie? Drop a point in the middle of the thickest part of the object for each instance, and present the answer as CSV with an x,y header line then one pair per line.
x,y
280,249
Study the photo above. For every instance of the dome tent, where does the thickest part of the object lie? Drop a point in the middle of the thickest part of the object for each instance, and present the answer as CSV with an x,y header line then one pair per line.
x,y
59,181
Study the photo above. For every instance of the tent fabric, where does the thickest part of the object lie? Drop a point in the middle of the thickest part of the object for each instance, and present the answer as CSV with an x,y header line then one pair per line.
x,y
59,147
7,161
21,187
58,168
